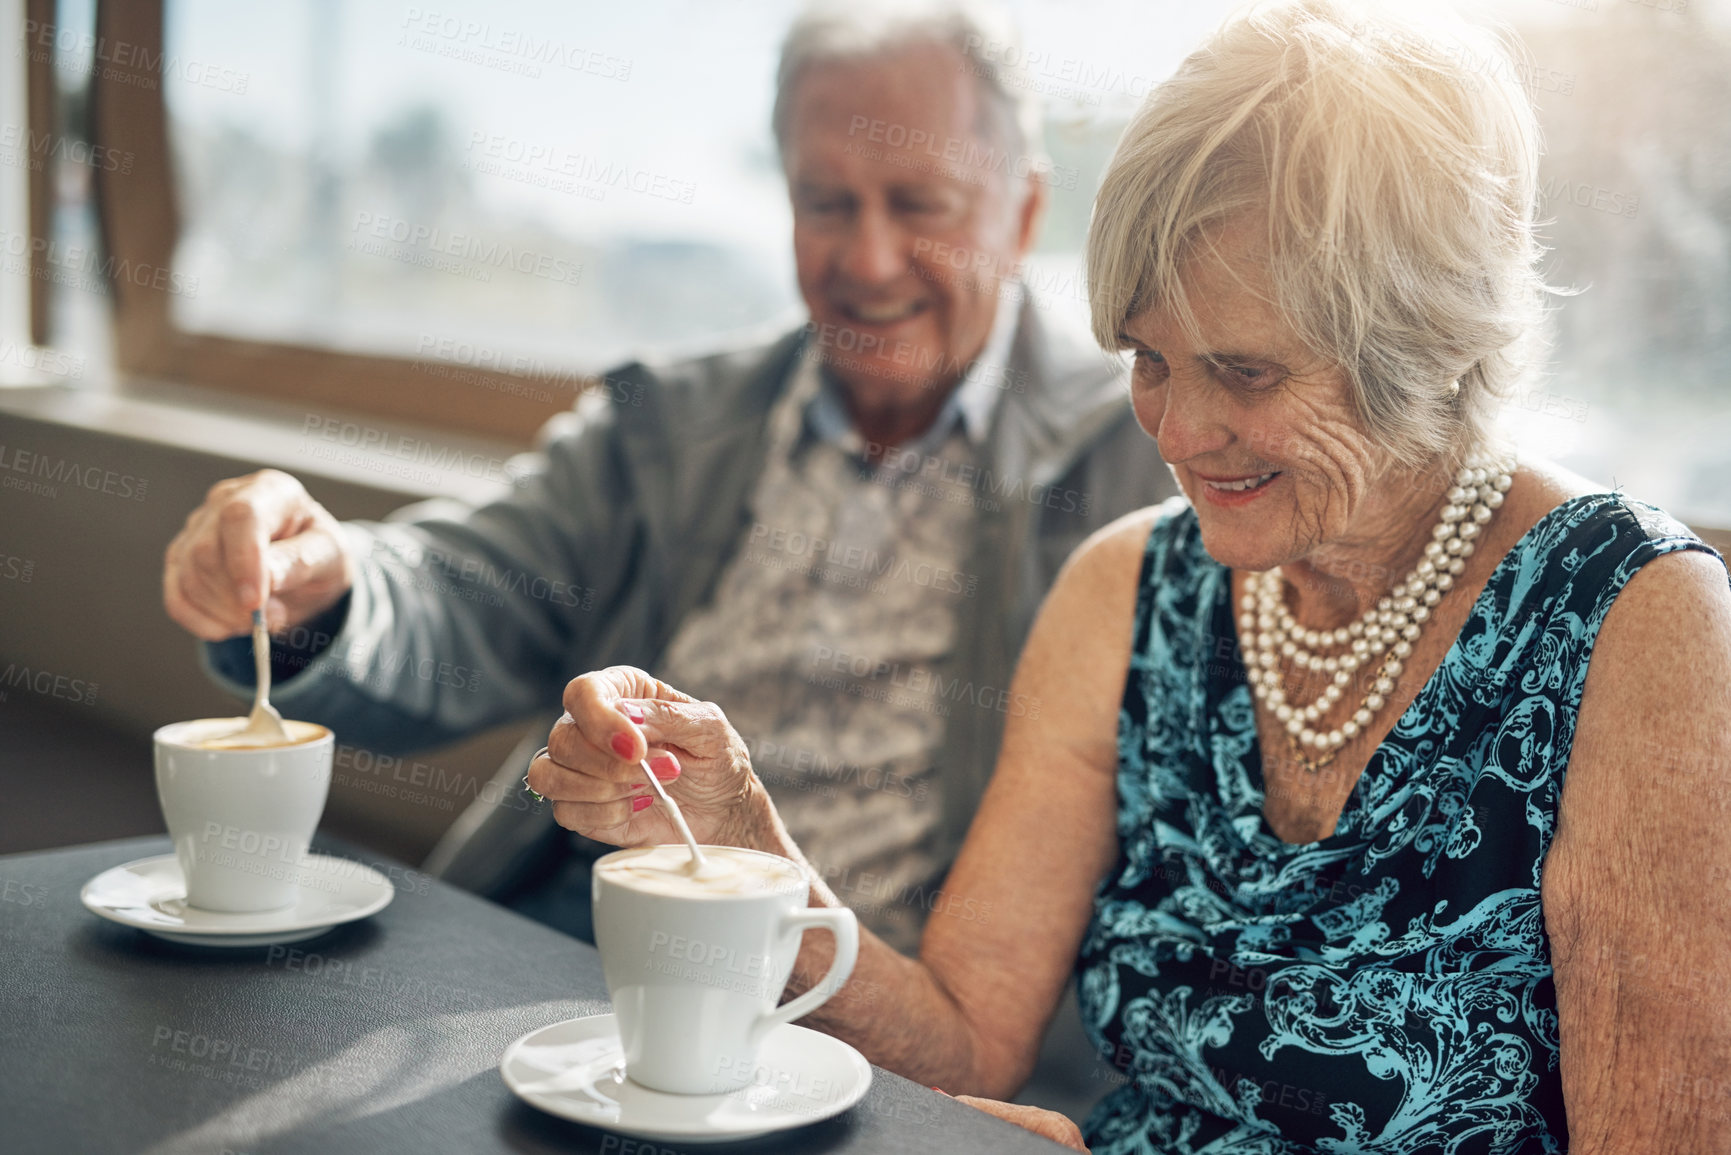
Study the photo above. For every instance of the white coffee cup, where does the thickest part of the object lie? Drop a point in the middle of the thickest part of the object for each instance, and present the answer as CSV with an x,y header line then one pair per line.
x,y
695,971
241,819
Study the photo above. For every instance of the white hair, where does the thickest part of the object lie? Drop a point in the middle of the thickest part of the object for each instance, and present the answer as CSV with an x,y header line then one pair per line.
x,y
829,31
1393,163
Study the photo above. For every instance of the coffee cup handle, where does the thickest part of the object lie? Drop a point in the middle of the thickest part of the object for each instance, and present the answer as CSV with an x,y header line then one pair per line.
x,y
839,921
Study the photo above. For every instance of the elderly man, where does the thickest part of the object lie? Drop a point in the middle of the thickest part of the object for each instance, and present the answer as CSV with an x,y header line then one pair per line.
x,y
840,538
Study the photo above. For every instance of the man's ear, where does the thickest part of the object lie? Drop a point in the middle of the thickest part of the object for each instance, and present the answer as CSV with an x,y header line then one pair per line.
x,y
1029,216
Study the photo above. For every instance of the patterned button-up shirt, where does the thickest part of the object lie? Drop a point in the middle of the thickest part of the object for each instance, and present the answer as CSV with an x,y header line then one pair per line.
x,y
827,626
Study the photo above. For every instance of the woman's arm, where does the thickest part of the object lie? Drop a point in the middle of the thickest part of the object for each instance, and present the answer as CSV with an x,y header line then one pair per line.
x,y
1636,889
969,1013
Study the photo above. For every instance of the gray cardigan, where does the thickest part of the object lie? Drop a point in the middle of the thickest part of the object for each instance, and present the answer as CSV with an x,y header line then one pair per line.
x,y
460,623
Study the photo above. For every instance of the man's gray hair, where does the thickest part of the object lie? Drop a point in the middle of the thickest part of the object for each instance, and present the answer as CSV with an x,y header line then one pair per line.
x,y
829,31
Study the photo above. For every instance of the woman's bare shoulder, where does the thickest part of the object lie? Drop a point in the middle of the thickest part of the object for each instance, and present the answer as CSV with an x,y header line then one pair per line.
x,y
1119,545
1540,486
1080,644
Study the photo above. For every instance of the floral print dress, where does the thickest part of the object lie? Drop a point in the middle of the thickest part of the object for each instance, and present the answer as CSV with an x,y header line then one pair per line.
x,y
1387,989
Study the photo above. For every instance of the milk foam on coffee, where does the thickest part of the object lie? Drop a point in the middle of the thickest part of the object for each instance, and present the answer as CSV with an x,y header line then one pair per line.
x,y
224,734
731,871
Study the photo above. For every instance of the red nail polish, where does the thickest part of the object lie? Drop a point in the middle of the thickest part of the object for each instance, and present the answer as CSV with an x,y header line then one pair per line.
x,y
941,1091
633,712
623,745
643,803
664,766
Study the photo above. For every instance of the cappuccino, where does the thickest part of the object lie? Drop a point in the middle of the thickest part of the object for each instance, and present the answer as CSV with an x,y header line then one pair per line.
x,y
241,816
728,872
696,961
226,734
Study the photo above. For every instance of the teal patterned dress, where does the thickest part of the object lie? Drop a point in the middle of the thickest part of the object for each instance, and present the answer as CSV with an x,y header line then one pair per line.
x,y
1387,989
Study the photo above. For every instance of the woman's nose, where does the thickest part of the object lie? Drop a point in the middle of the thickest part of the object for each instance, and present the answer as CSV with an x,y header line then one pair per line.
x,y
1185,421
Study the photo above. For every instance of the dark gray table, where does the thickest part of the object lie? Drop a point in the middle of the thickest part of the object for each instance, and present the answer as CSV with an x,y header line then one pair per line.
x,y
382,1036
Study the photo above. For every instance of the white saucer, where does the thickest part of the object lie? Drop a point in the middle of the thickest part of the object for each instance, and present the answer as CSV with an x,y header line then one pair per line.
x,y
576,1070
150,894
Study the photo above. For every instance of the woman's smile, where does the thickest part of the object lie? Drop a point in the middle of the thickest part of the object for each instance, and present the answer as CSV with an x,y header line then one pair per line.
x,y
1234,492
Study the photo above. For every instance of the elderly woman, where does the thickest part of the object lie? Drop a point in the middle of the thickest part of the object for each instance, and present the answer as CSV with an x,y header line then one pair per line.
x,y
1376,794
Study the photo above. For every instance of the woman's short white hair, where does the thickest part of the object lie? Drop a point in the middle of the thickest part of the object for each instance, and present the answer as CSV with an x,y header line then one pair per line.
x,y
1394,165
830,31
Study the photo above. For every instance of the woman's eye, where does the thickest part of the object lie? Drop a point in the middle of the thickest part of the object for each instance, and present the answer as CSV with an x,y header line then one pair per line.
x,y
1148,367
1249,374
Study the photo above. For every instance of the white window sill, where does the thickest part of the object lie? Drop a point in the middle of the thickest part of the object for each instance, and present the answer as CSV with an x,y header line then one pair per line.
x,y
381,453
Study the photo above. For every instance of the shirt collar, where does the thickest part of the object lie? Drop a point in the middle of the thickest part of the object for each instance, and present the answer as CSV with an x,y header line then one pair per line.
x,y
971,403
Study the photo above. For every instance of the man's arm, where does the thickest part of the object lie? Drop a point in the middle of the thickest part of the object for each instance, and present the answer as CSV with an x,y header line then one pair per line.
x,y
452,625
1636,889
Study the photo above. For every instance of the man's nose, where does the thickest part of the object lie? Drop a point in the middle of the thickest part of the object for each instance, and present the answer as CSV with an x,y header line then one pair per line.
x,y
876,250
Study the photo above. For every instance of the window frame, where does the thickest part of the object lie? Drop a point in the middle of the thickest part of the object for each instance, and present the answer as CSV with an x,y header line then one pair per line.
x,y
40,105
139,219
139,223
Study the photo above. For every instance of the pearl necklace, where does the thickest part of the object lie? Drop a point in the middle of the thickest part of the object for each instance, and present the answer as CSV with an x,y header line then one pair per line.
x,y
1271,636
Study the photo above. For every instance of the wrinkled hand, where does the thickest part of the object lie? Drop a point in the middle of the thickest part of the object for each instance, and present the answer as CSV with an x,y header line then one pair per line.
x,y
1056,1127
258,541
616,717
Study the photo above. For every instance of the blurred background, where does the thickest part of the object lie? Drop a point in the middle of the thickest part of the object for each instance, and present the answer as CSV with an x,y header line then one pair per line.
x,y
445,220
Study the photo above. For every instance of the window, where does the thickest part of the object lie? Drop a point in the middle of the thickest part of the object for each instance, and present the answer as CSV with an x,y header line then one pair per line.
x,y
457,212
562,183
